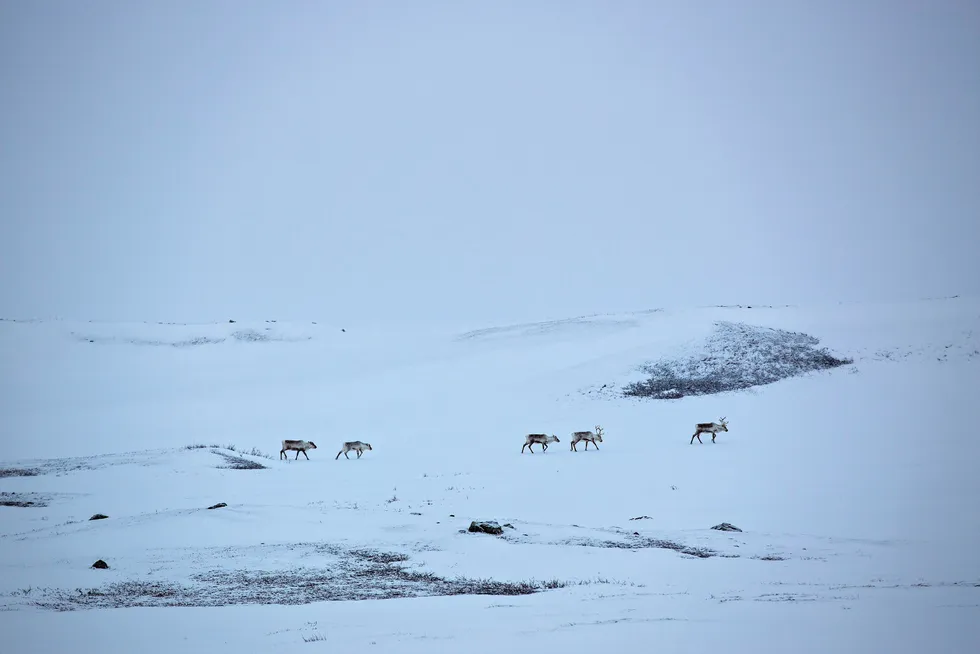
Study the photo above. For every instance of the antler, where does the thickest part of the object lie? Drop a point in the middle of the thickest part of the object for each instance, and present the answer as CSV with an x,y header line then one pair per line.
x,y
723,419
598,429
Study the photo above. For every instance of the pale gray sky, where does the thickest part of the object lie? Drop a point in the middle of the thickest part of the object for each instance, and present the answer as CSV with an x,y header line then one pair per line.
x,y
525,159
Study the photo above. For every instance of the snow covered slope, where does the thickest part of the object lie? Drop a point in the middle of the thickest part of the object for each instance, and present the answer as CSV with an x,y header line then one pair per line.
x,y
855,488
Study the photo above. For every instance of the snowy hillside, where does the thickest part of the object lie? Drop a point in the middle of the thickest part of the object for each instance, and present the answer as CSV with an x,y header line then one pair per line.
x,y
854,486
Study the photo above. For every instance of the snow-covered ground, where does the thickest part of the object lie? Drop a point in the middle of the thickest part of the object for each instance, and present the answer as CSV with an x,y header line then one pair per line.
x,y
855,488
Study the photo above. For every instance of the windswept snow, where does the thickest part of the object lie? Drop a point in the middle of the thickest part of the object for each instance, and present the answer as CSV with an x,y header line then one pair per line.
x,y
854,487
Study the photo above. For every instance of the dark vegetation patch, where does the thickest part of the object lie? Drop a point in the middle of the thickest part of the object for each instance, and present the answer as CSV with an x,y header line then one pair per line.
x,y
66,465
19,472
239,463
642,542
23,500
357,574
231,448
735,357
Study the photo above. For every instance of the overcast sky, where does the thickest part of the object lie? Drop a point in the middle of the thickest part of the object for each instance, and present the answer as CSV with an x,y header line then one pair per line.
x,y
485,160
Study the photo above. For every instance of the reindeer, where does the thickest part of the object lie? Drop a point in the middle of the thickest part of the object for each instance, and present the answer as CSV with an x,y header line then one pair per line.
x,y
709,428
588,437
298,446
356,446
543,439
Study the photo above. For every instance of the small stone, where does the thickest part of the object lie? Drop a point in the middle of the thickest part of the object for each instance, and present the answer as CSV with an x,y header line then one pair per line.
x,y
726,526
219,505
101,565
99,516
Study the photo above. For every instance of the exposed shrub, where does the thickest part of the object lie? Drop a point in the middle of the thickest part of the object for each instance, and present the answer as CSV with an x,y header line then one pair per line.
x,y
735,357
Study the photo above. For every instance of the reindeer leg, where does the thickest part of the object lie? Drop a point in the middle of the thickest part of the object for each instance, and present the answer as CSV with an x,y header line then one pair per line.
x,y
713,437
359,453
544,447
346,457
594,445
338,455
530,448
282,454
304,454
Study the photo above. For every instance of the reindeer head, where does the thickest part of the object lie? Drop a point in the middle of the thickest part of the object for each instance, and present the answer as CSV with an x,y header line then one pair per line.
x,y
368,445
724,424
598,433
555,438
312,445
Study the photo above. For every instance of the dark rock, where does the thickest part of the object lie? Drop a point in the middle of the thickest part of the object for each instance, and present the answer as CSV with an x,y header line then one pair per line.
x,y
642,517
415,513
486,527
726,526
507,524
219,505
99,516
101,565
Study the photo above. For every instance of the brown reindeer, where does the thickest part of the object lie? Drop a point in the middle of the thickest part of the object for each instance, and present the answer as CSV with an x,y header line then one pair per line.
x,y
709,428
356,446
542,439
298,446
588,437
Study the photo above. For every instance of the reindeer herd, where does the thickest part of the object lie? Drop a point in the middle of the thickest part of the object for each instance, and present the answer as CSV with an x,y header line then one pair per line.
x,y
530,441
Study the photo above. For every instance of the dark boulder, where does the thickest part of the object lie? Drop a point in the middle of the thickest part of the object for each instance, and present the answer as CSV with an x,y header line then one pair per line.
x,y
486,527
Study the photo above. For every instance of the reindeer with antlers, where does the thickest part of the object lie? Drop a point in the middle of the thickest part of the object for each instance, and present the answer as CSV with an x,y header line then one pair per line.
x,y
588,437
709,428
